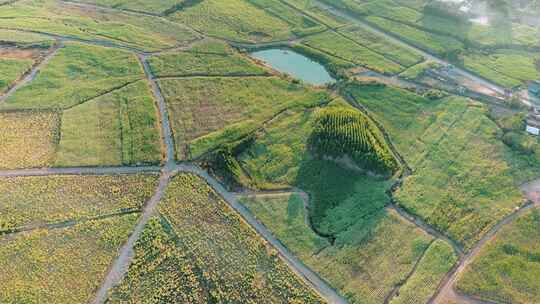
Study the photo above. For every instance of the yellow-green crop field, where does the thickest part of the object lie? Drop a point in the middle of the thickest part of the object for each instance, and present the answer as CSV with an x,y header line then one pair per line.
x,y
365,270
201,251
119,128
63,18
64,265
143,147
461,181
41,200
28,139
210,58
76,74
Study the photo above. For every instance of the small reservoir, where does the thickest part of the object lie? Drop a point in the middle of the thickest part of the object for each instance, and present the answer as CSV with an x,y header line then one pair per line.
x,y
295,64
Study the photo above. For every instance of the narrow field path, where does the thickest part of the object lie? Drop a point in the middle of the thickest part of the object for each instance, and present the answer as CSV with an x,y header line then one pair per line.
x,y
66,223
33,71
79,171
446,292
97,42
121,264
166,131
395,291
427,228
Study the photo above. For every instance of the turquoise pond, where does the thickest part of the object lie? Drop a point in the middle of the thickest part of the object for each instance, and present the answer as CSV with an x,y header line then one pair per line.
x,y
296,65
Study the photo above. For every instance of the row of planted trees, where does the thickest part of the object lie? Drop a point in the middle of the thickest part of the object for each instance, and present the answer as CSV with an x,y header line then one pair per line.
x,y
342,132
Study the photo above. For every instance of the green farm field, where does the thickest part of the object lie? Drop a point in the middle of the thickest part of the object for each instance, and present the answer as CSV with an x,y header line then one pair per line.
x,y
375,240
506,268
269,151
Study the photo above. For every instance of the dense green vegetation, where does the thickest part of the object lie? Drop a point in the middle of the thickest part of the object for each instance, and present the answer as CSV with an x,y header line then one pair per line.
x,y
118,128
205,59
383,246
201,241
61,265
32,201
28,139
349,133
507,268
78,73
462,183
208,111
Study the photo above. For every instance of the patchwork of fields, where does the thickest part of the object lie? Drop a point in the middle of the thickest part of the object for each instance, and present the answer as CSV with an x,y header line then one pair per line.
x,y
147,157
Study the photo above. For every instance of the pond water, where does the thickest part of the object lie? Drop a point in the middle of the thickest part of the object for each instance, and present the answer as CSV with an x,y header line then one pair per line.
x,y
296,65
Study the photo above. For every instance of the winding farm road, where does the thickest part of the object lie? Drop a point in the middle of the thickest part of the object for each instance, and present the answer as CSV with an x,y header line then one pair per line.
x,y
308,275
446,293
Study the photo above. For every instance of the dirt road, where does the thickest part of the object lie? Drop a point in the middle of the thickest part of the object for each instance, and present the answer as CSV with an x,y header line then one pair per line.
x,y
446,293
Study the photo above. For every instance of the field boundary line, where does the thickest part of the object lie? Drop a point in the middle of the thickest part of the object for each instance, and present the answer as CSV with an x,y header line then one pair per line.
x,y
104,93
31,74
390,296
204,75
68,222
79,171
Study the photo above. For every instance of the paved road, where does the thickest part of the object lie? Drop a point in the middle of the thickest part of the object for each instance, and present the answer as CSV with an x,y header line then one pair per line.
x,y
399,41
79,171
294,263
